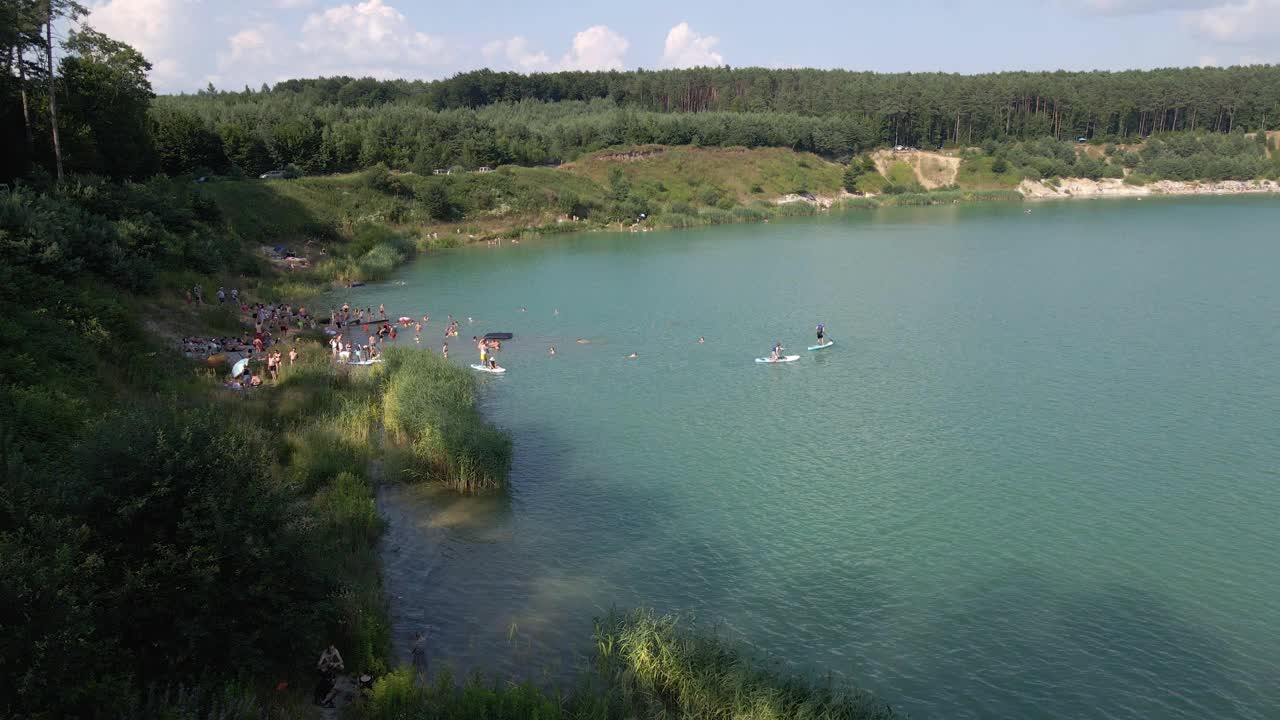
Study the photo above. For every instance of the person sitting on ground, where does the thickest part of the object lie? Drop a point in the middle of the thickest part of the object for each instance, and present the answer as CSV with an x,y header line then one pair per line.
x,y
329,665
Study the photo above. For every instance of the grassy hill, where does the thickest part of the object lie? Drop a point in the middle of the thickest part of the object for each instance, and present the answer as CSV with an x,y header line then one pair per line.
x,y
658,179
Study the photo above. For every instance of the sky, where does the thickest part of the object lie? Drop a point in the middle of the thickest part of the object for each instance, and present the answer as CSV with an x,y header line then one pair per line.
x,y
234,43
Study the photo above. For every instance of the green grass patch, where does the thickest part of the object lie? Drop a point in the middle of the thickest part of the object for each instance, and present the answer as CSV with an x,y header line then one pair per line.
x,y
977,173
430,407
901,173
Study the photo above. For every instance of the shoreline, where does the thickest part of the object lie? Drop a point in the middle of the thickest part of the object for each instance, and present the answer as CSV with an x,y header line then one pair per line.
x,y
1082,188
796,205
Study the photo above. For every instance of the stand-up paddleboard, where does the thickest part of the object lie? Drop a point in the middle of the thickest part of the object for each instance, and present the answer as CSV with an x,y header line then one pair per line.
x,y
486,368
784,358
364,362
498,336
823,346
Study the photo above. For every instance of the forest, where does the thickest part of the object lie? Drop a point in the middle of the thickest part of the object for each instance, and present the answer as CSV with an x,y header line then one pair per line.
x,y
485,118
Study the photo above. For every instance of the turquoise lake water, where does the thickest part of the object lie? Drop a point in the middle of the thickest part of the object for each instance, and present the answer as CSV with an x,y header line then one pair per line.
x,y
1038,476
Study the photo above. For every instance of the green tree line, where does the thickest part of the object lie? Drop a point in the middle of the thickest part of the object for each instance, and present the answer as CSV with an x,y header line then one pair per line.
x,y
923,109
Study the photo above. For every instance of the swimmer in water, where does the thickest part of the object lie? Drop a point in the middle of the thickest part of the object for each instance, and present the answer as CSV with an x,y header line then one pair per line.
x,y
701,340
445,351
583,341
557,312
552,351
633,356
524,310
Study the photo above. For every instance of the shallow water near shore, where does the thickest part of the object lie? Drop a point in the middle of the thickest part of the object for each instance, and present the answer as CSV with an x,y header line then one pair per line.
x,y
1037,476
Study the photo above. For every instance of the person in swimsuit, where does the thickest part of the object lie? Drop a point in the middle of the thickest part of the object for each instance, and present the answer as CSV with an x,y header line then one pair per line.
x,y
821,332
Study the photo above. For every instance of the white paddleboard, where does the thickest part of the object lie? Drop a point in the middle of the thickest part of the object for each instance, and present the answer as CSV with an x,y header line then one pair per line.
x,y
823,346
365,362
485,368
784,358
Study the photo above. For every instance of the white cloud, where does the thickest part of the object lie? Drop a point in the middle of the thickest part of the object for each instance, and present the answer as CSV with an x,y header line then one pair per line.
x,y
370,32
515,53
156,28
369,38
596,48
1239,22
687,48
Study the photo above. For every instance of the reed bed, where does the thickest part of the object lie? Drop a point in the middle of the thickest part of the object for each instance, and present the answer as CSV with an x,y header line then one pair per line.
x,y
429,407
645,667
665,670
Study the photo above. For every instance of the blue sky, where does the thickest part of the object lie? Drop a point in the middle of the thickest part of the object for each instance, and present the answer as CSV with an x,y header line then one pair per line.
x,y
232,43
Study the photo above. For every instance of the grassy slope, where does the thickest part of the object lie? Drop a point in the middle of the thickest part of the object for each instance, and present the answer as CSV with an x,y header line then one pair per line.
x,y
678,174
976,174
263,212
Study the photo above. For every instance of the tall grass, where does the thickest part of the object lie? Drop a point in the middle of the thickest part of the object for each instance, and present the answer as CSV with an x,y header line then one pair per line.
x,y
210,702
644,667
665,670
429,406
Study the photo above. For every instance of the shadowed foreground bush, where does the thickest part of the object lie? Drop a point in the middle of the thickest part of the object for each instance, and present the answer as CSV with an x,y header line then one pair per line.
x,y
430,406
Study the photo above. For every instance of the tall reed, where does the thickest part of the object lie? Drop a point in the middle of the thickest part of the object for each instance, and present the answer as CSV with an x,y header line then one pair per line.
x,y
429,406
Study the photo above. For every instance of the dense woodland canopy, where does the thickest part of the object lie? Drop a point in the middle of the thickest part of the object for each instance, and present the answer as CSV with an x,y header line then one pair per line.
x,y
490,118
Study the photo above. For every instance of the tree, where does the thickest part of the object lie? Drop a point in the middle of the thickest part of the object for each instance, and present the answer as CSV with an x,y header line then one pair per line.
x,y
435,200
244,149
56,9
107,94
184,143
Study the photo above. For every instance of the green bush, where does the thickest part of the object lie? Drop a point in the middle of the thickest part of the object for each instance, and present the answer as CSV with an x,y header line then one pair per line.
x,y
430,407
181,556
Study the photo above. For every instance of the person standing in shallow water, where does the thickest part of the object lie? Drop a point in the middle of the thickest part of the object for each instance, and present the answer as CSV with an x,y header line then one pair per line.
x,y
419,654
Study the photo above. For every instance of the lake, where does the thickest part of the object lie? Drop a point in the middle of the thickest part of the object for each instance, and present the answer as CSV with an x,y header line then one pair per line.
x,y
1038,475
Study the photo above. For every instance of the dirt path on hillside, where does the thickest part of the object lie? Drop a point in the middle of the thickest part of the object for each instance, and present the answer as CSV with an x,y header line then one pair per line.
x,y
933,170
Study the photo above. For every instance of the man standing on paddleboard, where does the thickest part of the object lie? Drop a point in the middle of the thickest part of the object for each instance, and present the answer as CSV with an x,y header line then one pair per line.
x,y
821,331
